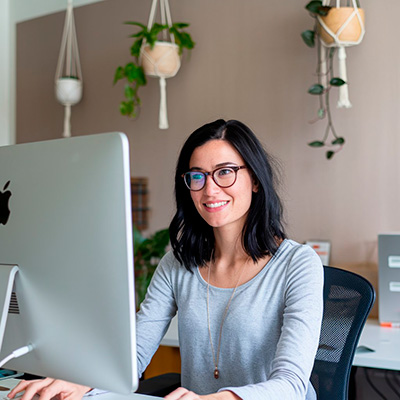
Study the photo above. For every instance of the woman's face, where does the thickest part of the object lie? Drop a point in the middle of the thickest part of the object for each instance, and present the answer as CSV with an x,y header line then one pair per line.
x,y
222,207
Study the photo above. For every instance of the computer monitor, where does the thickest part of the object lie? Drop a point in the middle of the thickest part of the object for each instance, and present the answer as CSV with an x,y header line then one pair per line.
x,y
65,222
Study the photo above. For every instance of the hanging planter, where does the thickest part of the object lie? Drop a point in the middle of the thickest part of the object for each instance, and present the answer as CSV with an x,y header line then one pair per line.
x,y
344,25
153,58
161,61
68,90
68,79
335,28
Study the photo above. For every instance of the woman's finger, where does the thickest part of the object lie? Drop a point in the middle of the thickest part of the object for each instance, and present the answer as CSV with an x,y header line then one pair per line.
x,y
32,386
63,390
182,394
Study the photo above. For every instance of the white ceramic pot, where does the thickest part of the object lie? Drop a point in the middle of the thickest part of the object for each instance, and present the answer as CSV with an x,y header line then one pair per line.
x,y
162,61
68,90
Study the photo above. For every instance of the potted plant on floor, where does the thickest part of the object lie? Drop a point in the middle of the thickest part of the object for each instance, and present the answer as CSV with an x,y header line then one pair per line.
x,y
334,29
147,254
152,57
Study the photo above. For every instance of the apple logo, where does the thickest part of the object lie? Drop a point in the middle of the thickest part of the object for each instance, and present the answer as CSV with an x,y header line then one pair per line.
x,y
4,209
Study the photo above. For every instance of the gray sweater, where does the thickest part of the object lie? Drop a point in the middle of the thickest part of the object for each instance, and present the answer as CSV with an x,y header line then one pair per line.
x,y
270,334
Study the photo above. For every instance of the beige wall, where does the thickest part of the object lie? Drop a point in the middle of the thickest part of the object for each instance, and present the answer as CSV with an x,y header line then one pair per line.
x,y
249,64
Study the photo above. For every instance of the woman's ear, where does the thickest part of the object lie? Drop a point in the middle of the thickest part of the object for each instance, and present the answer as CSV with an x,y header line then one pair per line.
x,y
255,185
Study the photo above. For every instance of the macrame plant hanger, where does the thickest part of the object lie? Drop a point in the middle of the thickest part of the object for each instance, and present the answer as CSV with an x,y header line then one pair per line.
x,y
68,79
341,28
163,61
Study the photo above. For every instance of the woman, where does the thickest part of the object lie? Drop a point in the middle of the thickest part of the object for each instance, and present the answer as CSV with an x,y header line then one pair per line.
x,y
249,300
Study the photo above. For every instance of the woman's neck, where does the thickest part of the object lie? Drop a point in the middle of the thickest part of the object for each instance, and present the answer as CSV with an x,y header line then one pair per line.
x,y
229,246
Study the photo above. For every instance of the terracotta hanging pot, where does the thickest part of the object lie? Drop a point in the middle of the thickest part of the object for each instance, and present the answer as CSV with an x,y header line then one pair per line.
x,y
344,23
163,60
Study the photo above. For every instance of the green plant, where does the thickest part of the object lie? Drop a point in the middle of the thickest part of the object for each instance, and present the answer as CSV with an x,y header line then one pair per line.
x,y
133,72
311,39
147,254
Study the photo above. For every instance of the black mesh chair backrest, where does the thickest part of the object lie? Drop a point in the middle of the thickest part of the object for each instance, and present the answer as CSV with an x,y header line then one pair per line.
x,y
348,299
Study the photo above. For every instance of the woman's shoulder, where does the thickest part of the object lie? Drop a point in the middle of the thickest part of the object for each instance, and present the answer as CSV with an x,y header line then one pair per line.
x,y
170,264
299,257
293,248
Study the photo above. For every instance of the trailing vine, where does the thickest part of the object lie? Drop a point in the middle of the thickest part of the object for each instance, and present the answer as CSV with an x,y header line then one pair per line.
x,y
325,82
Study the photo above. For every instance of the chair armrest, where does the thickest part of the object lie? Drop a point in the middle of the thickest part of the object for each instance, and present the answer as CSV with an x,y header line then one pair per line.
x,y
160,385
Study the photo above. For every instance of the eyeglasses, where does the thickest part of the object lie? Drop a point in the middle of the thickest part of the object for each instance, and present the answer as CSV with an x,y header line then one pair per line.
x,y
224,177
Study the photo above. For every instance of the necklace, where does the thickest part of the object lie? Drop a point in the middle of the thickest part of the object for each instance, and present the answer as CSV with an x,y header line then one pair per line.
x,y
216,356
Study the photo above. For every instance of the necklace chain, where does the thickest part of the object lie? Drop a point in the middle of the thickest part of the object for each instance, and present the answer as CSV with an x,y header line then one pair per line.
x,y
216,356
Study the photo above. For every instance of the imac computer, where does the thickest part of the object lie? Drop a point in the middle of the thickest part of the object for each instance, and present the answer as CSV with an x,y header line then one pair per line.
x,y
66,261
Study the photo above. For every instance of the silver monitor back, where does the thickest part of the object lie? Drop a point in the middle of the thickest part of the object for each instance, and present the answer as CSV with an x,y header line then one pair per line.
x,y
389,278
70,233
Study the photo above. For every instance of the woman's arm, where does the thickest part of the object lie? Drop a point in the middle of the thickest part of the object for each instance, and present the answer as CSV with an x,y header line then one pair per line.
x,y
156,311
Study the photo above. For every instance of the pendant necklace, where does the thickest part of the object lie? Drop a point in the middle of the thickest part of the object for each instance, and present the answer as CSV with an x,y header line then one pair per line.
x,y
216,356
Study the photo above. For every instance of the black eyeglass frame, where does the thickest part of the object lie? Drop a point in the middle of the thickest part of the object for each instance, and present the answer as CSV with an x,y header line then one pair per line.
x,y
235,168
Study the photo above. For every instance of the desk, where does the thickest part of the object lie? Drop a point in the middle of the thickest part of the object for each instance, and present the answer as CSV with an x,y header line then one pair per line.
x,y
10,383
386,345
384,341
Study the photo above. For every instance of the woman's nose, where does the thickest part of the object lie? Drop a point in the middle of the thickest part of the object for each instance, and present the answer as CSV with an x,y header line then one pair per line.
x,y
210,186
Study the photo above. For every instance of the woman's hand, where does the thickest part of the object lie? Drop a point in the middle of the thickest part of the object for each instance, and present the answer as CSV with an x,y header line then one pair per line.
x,y
48,388
184,394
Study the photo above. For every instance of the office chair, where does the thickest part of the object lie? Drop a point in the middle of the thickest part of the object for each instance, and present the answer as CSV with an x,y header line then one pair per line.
x,y
348,299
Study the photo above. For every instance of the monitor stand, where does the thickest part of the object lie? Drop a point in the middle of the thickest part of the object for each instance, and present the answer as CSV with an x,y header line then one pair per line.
x,y
7,275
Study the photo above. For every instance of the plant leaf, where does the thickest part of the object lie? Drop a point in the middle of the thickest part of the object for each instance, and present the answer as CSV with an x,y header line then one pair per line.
x,y
156,29
129,92
316,143
137,239
134,73
182,39
324,10
136,23
337,82
308,38
126,107
180,25
339,140
140,77
321,113
316,7
119,74
316,89
330,154
135,49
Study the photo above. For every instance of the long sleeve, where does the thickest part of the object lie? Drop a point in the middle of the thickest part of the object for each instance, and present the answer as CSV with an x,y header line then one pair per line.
x,y
155,314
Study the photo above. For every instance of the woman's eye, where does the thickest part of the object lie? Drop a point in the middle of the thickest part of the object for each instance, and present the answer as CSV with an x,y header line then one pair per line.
x,y
197,177
224,172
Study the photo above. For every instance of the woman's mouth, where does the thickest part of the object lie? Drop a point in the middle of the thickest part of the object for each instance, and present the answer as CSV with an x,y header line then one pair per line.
x,y
216,205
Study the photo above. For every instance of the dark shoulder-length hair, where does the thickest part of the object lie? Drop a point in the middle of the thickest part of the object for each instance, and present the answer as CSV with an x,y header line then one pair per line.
x,y
192,239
